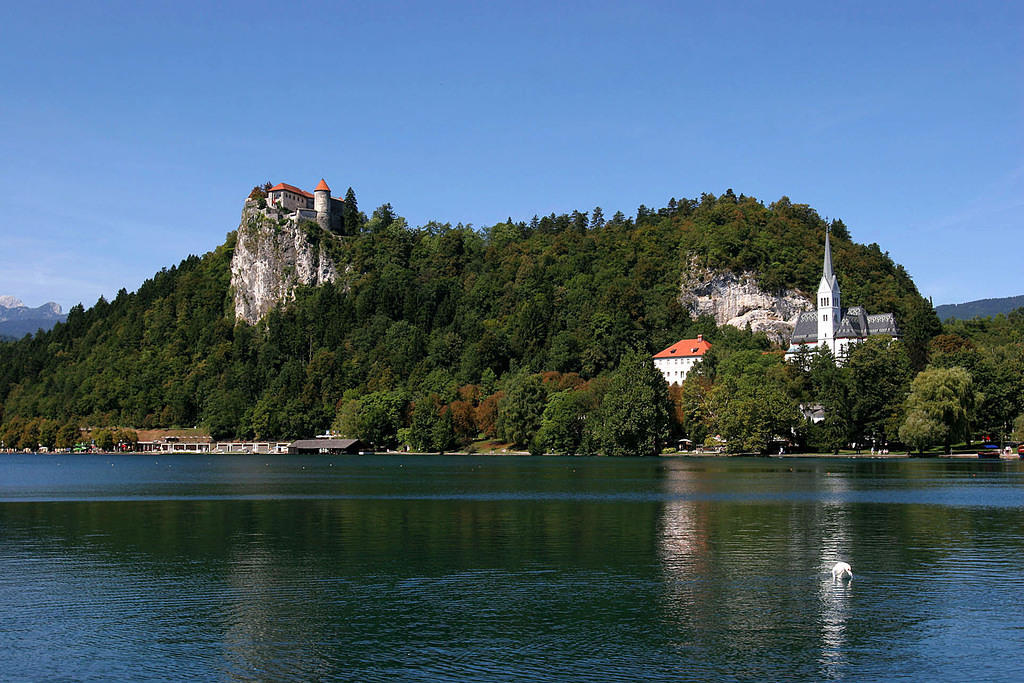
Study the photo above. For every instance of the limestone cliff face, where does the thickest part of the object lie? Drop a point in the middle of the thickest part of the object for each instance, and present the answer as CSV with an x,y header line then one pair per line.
x,y
272,257
737,300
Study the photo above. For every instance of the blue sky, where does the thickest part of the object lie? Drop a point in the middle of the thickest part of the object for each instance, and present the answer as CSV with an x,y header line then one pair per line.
x,y
130,132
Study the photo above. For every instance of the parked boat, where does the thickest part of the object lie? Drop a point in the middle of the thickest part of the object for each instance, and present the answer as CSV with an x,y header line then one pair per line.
x,y
990,451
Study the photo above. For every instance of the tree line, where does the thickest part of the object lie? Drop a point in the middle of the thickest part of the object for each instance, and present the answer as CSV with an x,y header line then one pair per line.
x,y
443,333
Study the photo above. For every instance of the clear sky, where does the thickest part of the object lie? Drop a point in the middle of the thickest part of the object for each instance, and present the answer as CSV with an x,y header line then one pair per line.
x,y
131,132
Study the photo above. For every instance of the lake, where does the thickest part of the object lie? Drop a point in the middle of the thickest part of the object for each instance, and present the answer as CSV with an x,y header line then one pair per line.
x,y
508,568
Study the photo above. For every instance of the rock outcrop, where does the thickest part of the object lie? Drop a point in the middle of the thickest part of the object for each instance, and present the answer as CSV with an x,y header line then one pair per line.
x,y
737,300
272,257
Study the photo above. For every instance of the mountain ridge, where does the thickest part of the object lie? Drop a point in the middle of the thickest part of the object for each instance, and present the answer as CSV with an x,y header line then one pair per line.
x,y
17,319
979,308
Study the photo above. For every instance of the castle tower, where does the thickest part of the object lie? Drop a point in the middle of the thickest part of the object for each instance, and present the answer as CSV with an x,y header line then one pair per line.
x,y
322,204
829,306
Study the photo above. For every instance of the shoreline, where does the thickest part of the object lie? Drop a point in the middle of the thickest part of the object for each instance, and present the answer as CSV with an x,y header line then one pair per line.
x,y
693,455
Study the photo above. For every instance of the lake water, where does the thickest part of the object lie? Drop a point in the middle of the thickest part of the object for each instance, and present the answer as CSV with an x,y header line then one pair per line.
x,y
508,569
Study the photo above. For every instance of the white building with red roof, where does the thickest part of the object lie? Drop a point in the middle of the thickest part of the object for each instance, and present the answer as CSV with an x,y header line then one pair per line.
x,y
319,206
677,360
289,197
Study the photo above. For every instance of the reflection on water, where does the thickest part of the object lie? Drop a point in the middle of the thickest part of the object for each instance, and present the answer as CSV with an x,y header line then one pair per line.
x,y
507,569
834,600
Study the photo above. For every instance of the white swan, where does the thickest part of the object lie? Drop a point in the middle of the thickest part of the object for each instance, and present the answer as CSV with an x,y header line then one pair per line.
x,y
842,571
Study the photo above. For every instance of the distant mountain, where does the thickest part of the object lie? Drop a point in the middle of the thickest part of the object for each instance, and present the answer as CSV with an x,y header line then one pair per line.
x,y
17,319
979,308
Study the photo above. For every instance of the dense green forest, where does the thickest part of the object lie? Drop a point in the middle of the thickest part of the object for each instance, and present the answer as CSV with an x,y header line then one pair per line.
x,y
518,331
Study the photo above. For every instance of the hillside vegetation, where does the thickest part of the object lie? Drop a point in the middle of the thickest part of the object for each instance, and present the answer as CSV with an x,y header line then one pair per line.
x,y
439,315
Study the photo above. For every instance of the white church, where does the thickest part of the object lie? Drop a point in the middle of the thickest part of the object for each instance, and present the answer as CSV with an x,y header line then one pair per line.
x,y
832,325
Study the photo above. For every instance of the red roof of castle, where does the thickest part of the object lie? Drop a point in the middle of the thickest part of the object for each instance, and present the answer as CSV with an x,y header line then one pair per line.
x,y
292,188
685,348
322,185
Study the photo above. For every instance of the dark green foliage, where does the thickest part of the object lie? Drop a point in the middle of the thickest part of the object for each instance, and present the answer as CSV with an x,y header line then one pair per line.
x,y
430,429
564,424
879,376
939,408
992,351
519,413
147,358
425,311
831,389
381,414
919,327
635,412
751,405
350,217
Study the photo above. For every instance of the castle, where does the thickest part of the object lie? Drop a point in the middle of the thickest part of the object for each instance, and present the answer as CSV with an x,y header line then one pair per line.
x,y
319,206
832,325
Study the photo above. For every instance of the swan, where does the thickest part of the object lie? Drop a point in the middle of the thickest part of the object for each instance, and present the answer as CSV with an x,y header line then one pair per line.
x,y
842,570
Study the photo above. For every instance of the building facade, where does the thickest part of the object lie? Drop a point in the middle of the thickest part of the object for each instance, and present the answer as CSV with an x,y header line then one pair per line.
x,y
830,325
677,360
319,206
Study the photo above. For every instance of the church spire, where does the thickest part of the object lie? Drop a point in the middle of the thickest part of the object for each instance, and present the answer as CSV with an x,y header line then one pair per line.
x,y
827,270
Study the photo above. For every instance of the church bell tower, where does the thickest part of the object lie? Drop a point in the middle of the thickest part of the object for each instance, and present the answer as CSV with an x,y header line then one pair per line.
x,y
829,306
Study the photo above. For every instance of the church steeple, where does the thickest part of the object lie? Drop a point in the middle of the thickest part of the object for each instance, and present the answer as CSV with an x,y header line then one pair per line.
x,y
827,270
830,311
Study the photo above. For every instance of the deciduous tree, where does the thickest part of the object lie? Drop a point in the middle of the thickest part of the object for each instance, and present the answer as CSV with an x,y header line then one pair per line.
x,y
635,411
519,412
944,397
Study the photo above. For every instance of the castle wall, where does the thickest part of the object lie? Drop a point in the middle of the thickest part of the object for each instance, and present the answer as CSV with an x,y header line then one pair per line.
x,y
337,216
289,200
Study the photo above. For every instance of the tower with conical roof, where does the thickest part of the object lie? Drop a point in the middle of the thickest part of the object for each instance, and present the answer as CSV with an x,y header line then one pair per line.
x,y
322,204
829,305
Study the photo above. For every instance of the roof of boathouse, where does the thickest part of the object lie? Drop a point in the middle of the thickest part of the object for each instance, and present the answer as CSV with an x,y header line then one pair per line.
x,y
325,444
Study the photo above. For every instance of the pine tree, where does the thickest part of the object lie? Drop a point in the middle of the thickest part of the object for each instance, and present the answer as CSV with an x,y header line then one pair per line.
x,y
350,214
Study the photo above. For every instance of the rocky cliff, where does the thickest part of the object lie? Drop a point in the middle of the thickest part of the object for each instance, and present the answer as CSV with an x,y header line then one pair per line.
x,y
274,255
737,300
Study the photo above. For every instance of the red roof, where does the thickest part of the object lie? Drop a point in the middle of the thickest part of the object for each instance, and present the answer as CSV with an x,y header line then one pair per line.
x,y
322,185
685,348
291,188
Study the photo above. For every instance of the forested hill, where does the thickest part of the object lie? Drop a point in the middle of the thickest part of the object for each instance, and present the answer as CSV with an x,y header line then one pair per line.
x,y
980,308
429,311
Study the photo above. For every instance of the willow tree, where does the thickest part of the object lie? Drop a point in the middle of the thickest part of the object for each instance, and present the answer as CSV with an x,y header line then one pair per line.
x,y
939,408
